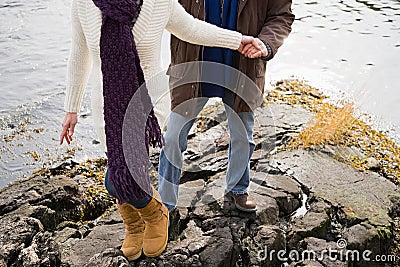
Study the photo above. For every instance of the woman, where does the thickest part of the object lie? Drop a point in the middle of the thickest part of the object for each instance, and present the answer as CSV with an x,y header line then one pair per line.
x,y
144,215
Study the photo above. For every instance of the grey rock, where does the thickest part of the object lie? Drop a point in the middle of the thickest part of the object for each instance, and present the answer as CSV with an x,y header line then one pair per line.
x,y
211,210
194,239
17,232
342,152
209,117
184,252
60,194
359,235
373,164
111,216
337,258
207,143
190,193
283,189
108,258
205,166
267,209
64,224
306,263
43,252
283,183
320,251
267,238
364,237
77,252
351,192
214,190
277,123
44,214
65,234
218,252
395,210
174,228
282,116
313,224
28,256
236,223
341,184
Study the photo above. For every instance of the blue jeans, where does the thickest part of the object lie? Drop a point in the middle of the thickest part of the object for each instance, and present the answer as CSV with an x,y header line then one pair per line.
x,y
171,159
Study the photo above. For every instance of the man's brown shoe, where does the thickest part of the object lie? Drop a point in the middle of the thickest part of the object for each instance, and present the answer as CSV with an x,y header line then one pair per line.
x,y
243,202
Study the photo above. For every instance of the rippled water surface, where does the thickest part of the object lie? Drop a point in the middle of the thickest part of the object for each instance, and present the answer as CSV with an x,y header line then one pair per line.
x,y
349,45
341,46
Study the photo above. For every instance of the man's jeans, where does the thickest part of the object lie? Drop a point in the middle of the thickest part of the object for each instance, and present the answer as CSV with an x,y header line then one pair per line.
x,y
241,147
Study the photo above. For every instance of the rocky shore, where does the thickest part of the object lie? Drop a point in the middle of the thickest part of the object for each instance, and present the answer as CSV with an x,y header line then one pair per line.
x,y
337,203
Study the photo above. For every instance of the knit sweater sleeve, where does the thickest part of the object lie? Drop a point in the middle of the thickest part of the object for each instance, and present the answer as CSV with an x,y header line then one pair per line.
x,y
79,63
187,28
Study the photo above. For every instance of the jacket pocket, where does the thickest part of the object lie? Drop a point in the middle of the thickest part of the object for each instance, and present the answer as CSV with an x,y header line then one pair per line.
x,y
260,68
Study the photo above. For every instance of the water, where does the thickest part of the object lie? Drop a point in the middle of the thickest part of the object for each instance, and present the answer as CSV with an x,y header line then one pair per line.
x,y
302,210
347,47
352,46
34,47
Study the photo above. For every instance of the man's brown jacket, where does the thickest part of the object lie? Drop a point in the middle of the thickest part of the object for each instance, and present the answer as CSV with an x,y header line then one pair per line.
x,y
269,20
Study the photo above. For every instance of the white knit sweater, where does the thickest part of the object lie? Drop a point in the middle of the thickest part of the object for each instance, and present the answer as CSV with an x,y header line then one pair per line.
x,y
154,17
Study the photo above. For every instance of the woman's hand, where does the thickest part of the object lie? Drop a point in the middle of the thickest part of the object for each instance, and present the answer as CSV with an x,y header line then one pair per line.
x,y
68,127
248,41
251,51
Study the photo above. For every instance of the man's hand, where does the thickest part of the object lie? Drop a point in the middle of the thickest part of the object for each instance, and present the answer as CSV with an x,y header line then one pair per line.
x,y
251,51
249,41
68,127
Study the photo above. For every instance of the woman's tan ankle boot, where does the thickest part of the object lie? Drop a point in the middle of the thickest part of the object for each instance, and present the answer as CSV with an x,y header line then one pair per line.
x,y
134,231
155,216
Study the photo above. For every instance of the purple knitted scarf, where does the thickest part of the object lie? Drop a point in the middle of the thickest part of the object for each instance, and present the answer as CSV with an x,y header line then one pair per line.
x,y
122,77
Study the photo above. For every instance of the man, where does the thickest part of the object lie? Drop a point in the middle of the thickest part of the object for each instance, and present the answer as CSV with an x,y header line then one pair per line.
x,y
270,21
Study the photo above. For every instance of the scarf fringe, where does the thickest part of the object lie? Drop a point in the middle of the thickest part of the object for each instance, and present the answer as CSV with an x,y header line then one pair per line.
x,y
154,136
125,185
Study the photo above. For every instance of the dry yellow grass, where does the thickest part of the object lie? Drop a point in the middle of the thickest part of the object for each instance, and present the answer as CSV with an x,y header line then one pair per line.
x,y
329,126
336,125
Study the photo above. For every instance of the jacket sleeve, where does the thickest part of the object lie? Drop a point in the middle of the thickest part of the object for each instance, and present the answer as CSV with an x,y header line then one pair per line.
x,y
195,31
79,63
278,24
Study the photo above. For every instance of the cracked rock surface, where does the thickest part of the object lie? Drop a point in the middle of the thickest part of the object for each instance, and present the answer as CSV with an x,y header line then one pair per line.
x,y
307,201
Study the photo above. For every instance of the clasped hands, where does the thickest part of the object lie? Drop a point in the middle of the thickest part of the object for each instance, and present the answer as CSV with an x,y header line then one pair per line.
x,y
252,47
